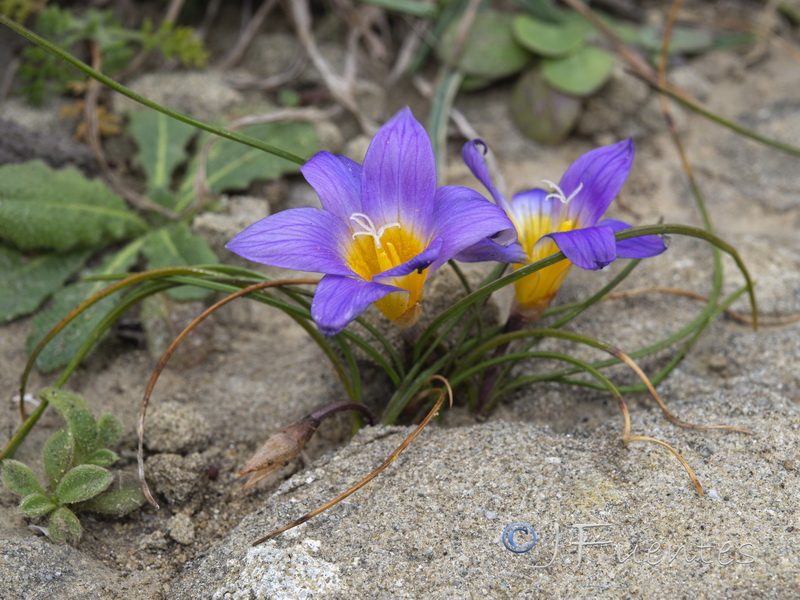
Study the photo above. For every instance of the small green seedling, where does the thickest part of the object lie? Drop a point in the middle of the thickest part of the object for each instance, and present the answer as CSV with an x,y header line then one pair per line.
x,y
75,461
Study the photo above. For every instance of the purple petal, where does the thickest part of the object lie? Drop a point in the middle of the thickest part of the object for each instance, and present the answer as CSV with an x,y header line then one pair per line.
x,y
488,251
306,239
338,300
473,153
602,172
463,218
419,263
337,181
638,247
399,175
590,248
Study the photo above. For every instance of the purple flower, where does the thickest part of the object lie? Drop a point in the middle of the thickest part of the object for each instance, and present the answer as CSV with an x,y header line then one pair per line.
x,y
383,228
567,218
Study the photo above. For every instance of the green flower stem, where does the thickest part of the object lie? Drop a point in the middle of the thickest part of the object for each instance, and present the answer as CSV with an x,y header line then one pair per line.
x,y
81,66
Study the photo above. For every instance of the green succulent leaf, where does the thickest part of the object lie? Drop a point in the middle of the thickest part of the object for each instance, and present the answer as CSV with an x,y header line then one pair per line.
x,y
57,456
162,143
490,50
25,284
122,496
540,112
63,400
102,457
580,74
36,505
176,245
64,527
19,478
65,345
109,430
41,208
83,482
548,39
234,166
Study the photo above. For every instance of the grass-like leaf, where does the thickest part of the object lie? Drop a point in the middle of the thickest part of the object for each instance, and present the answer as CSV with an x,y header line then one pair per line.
x,y
175,246
24,285
83,482
19,478
64,346
41,208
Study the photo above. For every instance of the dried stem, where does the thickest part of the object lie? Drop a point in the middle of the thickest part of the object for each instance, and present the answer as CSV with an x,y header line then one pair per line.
x,y
383,465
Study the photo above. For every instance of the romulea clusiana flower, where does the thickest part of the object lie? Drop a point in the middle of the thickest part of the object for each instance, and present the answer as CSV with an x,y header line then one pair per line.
x,y
384,227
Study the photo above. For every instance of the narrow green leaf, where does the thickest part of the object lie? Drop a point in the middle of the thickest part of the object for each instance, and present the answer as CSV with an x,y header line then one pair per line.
x,y
415,8
36,505
81,425
64,527
60,210
57,456
61,348
490,50
83,482
25,284
233,166
173,246
102,457
109,430
548,39
162,143
123,496
19,478
580,74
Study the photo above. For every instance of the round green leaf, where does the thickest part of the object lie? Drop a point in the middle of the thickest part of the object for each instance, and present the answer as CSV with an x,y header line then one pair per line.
x,y
109,429
122,497
490,50
19,478
58,453
580,74
548,39
36,505
83,482
540,112
103,457
64,527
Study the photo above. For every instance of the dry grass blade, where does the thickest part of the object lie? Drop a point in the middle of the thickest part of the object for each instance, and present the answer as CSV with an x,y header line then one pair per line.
x,y
162,363
617,353
689,470
380,468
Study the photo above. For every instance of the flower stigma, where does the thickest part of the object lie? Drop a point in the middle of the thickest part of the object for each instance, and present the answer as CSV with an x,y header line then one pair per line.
x,y
559,193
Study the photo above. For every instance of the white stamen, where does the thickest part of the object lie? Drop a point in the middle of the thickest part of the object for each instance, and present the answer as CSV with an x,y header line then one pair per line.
x,y
559,193
366,223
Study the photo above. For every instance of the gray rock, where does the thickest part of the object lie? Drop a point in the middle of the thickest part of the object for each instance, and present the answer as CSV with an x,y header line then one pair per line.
x,y
176,428
201,94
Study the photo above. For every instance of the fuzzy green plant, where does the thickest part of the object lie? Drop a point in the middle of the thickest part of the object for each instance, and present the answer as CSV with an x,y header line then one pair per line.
x,y
76,461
